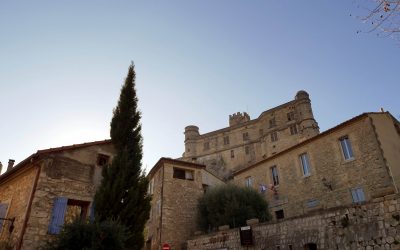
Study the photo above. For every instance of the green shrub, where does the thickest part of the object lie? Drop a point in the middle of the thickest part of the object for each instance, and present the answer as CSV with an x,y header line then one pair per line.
x,y
84,235
230,205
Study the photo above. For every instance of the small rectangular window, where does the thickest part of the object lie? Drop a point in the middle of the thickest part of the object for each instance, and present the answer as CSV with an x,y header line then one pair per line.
x,y
245,136
305,164
290,247
150,190
102,159
312,203
183,174
249,182
272,123
274,174
290,116
232,154
206,145
279,214
3,214
293,129
274,136
226,140
346,148
247,150
358,195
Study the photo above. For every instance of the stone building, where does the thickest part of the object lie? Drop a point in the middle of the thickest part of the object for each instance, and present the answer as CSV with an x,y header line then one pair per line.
x,y
247,141
47,189
175,187
353,162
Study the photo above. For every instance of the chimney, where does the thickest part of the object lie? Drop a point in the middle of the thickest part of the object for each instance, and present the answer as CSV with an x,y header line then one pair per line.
x,y
10,164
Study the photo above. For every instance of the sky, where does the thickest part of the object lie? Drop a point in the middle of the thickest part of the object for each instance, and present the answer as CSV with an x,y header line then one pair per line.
x,y
62,64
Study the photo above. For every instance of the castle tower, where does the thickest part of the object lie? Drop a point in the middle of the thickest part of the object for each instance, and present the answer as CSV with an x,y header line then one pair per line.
x,y
308,125
191,133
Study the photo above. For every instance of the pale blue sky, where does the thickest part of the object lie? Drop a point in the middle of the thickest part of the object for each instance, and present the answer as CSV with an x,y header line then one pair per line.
x,y
62,64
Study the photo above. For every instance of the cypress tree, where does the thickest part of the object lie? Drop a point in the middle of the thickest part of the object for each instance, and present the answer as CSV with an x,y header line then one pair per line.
x,y
122,195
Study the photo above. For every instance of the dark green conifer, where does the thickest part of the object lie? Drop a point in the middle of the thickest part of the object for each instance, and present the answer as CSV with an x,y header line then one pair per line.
x,y
122,195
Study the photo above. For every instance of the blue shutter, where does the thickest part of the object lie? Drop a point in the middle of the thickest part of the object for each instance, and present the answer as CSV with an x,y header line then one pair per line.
x,y
92,210
360,195
354,195
3,211
57,217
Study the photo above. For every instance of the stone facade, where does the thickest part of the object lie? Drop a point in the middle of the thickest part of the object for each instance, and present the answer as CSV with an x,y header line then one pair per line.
x,y
175,187
331,179
247,141
372,225
71,172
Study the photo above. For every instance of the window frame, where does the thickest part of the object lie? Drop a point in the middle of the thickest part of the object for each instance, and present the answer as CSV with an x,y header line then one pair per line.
x,y
246,136
293,129
356,194
248,182
232,154
308,165
226,140
274,175
182,174
346,148
290,116
206,146
274,136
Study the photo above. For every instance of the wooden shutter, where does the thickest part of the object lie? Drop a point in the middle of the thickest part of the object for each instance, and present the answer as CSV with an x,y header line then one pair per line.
x,y
92,210
57,217
3,213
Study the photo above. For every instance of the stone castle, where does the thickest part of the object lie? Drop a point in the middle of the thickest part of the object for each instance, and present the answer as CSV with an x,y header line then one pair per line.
x,y
312,181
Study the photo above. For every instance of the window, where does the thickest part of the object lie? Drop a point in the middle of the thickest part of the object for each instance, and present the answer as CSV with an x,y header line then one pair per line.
x,y
358,195
183,174
150,190
272,123
232,154
3,214
245,136
290,247
293,129
247,150
206,145
278,247
249,182
312,203
226,140
279,214
346,148
274,174
274,136
290,116
67,210
158,208
102,159
305,164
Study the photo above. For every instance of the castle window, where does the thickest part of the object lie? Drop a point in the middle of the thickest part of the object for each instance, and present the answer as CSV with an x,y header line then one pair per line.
x,y
358,195
183,174
272,123
3,214
293,129
305,164
346,148
247,150
206,145
226,140
274,174
274,136
245,136
279,214
290,116
249,182
232,154
102,159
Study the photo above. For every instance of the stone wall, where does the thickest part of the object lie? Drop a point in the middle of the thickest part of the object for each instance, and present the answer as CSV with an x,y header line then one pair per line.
x,y
15,192
374,225
331,178
73,174
247,141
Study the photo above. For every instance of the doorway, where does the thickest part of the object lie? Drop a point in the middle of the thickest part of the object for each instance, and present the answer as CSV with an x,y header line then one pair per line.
x,y
310,246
